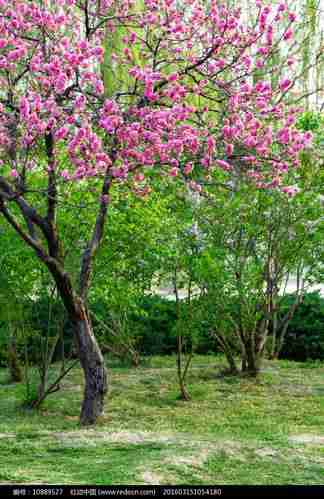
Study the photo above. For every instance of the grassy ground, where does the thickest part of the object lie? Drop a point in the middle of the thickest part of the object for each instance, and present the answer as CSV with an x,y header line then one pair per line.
x,y
234,431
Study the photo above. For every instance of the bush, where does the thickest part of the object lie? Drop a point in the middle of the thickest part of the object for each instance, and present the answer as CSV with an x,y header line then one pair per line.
x,y
152,327
305,334
156,326
155,320
3,345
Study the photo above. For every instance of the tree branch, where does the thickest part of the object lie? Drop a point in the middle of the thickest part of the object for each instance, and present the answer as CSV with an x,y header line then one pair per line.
x,y
94,242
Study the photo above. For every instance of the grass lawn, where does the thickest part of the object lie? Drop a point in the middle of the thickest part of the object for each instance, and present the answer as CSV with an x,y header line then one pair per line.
x,y
234,431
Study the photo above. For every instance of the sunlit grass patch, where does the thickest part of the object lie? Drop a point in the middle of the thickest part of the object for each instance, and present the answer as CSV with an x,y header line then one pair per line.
x,y
233,430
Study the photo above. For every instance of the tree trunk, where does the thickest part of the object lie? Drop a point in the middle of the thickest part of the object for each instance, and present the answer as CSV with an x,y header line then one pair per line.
x,y
227,351
93,365
252,360
182,372
253,367
272,354
184,395
89,353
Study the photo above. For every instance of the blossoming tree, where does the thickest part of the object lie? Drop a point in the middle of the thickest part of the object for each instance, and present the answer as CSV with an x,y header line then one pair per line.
x,y
94,93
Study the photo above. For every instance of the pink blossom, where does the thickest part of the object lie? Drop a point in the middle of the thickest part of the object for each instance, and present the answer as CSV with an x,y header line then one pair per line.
x,y
284,135
291,190
174,172
188,168
224,164
285,84
139,177
229,149
288,34
173,77
14,173
211,144
105,199
195,186
61,133
65,174
80,102
282,7
61,88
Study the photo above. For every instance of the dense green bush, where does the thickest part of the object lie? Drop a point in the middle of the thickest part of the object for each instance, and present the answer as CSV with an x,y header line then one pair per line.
x,y
305,334
304,340
3,345
152,324
13,324
48,319
149,323
155,321
43,317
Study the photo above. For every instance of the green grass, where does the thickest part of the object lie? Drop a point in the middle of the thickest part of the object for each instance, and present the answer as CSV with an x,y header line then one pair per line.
x,y
233,431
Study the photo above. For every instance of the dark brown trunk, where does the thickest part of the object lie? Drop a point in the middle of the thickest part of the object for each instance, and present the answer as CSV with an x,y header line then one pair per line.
x,y
88,350
251,363
93,365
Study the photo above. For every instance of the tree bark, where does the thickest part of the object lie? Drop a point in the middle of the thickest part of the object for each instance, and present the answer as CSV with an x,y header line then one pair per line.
x,y
252,362
184,394
93,365
227,351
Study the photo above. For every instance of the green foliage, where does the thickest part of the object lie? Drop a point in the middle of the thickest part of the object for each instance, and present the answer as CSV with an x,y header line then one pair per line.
x,y
152,326
310,121
155,321
313,121
305,335
47,321
3,344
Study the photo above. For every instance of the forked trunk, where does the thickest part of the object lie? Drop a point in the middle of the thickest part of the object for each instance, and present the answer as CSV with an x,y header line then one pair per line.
x,y
252,360
93,365
182,370
184,394
252,363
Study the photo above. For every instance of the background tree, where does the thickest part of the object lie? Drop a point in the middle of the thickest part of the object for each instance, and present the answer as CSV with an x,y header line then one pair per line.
x,y
256,242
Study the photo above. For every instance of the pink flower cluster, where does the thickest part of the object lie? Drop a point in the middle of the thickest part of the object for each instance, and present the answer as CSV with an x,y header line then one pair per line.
x,y
166,113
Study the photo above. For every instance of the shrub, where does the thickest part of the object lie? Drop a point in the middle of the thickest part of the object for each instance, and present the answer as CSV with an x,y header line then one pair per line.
x,y
305,334
3,345
155,320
